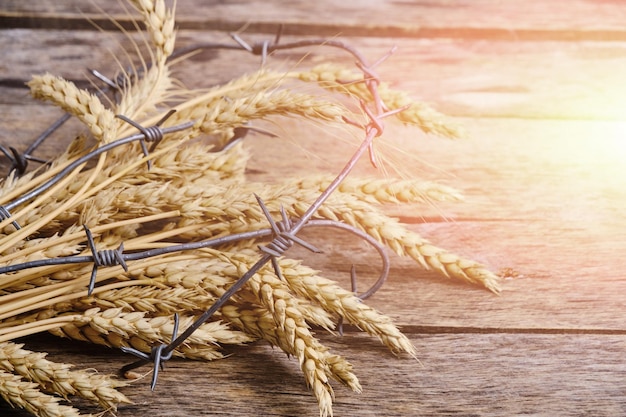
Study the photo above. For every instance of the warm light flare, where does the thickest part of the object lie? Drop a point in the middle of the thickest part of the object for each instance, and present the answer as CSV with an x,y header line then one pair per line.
x,y
593,160
617,139
602,144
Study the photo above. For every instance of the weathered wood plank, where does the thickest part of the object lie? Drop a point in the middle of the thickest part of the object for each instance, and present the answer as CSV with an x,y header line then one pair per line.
x,y
549,80
534,19
459,374
544,202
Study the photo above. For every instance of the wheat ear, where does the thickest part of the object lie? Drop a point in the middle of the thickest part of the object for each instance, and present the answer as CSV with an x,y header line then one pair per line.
x,y
58,378
115,328
305,283
253,97
23,394
407,243
295,338
375,190
159,21
87,107
337,78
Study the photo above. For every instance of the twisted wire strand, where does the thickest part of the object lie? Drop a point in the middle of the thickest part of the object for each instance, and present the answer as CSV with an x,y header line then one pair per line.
x,y
153,134
156,354
79,161
106,257
283,239
120,82
5,214
19,161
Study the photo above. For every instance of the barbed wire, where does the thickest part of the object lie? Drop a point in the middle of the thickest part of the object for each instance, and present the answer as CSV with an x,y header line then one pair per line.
x,y
283,234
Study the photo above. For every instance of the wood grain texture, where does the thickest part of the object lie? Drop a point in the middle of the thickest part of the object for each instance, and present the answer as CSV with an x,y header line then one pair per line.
x,y
542,172
470,78
459,374
530,20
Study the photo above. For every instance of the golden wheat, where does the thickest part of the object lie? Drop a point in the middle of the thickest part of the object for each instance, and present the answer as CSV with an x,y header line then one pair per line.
x,y
26,395
114,328
377,190
296,339
337,78
80,103
430,257
305,283
59,378
159,21
192,191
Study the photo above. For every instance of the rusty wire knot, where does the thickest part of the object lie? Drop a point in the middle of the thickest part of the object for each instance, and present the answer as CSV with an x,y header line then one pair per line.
x,y
283,237
103,258
153,134
158,354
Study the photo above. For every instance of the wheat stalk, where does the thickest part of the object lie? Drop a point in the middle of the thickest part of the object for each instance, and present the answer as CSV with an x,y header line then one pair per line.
x,y
159,21
291,332
114,328
430,257
218,114
381,191
316,363
333,298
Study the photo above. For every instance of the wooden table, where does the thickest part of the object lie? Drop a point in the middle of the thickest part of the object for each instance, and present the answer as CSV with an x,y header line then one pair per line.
x,y
540,87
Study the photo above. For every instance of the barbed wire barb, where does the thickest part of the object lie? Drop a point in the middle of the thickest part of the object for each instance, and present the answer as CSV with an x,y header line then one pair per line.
x,y
102,149
106,257
153,134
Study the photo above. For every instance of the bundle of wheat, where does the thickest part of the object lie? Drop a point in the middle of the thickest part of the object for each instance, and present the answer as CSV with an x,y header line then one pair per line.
x,y
56,277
